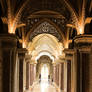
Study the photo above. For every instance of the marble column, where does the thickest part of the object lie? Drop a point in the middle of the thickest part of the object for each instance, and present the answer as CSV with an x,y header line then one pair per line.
x,y
8,48
34,72
71,60
62,76
31,74
83,44
69,75
54,73
28,58
22,69
27,75
65,76
58,75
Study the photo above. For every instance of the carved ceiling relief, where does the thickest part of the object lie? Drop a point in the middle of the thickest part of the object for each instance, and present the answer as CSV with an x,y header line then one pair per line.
x,y
60,22
46,27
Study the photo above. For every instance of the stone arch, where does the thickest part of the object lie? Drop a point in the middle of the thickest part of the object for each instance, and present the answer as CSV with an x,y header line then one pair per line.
x,y
41,61
48,12
61,34
45,43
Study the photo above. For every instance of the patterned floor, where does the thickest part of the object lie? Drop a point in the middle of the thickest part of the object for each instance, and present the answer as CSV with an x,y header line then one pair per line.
x,y
44,86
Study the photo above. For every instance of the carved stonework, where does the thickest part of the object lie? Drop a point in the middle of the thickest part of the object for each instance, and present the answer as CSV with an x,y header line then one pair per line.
x,y
44,59
83,40
45,27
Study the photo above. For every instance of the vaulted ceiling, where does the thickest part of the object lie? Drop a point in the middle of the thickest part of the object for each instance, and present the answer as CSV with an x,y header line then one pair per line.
x,y
29,12
31,6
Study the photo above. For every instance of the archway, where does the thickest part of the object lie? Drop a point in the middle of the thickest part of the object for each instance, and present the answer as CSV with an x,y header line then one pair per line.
x,y
46,49
44,68
45,44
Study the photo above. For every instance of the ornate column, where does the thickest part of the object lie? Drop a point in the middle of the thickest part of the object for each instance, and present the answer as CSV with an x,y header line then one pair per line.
x,y
28,58
83,44
90,71
22,69
8,49
54,68
71,66
34,72
55,73
31,74
60,75
65,76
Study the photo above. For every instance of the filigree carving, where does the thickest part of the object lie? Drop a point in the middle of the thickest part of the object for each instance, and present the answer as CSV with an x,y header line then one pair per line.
x,y
45,27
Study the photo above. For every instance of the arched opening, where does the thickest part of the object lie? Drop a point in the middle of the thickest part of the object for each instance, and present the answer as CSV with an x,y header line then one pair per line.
x,y
44,68
45,46
45,50
44,72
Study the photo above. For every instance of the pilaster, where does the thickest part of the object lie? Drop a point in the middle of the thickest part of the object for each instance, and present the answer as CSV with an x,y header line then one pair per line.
x,y
22,69
8,49
71,67
83,44
28,77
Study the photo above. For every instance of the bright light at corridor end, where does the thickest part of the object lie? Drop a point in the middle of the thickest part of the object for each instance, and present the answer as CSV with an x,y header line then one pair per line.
x,y
44,73
45,53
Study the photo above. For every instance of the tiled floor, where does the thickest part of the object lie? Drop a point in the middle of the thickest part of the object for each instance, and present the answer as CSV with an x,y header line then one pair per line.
x,y
44,86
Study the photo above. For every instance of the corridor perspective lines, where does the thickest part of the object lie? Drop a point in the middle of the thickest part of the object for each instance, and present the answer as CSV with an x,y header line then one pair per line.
x,y
44,86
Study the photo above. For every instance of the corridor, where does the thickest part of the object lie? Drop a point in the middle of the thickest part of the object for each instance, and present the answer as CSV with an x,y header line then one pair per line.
x,y
44,83
44,86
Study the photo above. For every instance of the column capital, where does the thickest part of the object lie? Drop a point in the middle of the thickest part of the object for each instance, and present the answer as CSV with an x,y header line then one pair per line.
x,y
9,36
69,51
22,52
8,40
28,58
83,40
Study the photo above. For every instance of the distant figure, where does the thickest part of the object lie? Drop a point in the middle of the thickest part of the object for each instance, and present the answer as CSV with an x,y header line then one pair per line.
x,y
40,78
49,78
52,80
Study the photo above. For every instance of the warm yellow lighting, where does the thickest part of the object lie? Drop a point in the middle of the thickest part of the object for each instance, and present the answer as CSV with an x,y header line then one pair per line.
x,y
45,44
78,20
44,73
11,30
44,78
66,44
80,28
45,53
44,86
81,31
11,26
24,44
